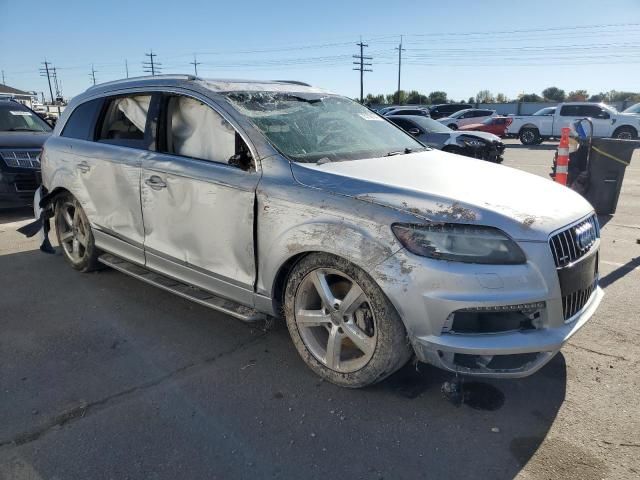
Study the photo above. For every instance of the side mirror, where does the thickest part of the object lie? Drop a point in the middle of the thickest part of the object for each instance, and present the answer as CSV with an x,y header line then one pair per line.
x,y
414,131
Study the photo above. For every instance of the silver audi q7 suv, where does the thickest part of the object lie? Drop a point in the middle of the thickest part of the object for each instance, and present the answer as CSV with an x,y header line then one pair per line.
x,y
268,198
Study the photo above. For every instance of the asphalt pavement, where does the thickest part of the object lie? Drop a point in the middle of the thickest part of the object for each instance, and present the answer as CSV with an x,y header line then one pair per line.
x,y
103,376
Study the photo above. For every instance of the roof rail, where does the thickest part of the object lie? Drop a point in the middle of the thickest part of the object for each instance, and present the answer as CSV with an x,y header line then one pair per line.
x,y
145,77
293,82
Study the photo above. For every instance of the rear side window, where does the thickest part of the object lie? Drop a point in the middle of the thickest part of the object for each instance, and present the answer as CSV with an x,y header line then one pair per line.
x,y
569,111
194,130
124,120
402,123
81,121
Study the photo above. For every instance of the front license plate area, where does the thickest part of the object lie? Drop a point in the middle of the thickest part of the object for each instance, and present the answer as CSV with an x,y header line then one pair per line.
x,y
580,275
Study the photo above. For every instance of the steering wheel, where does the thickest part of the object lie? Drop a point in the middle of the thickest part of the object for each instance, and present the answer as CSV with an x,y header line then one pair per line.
x,y
326,141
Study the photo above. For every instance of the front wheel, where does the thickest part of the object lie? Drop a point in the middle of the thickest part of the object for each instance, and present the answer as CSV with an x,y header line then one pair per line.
x,y
342,324
74,234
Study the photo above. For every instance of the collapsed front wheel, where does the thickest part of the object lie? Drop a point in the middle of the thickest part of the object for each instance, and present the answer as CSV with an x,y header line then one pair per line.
x,y
74,234
342,324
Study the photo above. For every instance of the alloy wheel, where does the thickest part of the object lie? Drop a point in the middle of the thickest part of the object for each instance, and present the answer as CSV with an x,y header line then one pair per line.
x,y
73,230
335,320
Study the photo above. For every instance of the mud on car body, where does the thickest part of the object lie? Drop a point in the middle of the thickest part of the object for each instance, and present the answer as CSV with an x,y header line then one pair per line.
x,y
264,198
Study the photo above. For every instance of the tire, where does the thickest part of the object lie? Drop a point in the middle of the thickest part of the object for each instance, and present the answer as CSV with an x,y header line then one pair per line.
x,y
529,136
366,335
74,234
453,126
625,133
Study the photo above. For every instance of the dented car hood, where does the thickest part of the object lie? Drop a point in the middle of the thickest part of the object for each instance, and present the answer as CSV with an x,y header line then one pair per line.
x,y
442,187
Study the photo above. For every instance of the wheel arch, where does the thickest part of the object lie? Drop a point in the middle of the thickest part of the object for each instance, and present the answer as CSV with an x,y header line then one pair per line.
x,y
625,127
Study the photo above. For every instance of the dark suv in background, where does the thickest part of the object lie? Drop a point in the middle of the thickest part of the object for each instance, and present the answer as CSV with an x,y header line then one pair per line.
x,y
22,134
446,109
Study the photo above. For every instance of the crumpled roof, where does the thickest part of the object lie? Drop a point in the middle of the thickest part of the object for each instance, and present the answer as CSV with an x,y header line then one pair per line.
x,y
258,86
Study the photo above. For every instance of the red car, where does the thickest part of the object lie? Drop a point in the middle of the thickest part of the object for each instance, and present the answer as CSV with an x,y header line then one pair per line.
x,y
495,125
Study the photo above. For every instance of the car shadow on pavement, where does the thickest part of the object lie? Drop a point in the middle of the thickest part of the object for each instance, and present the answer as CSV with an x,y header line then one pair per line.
x,y
619,272
542,146
15,214
192,389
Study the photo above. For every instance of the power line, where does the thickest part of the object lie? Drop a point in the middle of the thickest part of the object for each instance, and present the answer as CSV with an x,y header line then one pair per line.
x,y
151,66
195,64
400,50
361,67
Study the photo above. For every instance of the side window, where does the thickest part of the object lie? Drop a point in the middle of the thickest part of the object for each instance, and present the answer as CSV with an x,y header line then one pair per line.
x,y
124,120
402,123
569,111
80,123
192,129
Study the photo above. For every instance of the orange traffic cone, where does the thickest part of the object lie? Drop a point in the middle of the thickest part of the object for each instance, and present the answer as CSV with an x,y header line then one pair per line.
x,y
562,163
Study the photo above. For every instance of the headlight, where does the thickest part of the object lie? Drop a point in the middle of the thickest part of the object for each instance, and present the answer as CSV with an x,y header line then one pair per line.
x,y
459,243
470,142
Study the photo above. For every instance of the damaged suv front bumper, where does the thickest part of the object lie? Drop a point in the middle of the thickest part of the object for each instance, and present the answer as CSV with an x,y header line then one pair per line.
x,y
486,320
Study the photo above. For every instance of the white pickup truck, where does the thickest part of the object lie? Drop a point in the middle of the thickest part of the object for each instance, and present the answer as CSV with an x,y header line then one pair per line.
x,y
548,122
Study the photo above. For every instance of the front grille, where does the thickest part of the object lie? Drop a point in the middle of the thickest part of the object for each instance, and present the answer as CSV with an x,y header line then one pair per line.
x,y
574,242
25,182
21,158
574,302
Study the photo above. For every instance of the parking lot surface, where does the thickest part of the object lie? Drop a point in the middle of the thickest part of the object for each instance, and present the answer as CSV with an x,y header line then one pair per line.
x,y
103,376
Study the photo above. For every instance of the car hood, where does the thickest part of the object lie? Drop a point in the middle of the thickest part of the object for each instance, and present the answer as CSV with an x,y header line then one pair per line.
x,y
23,139
442,187
474,133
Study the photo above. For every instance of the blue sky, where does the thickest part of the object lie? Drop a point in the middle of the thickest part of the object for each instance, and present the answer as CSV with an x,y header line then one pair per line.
x,y
460,47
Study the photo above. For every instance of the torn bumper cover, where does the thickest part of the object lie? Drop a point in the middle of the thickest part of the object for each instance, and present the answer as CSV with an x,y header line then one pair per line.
x,y
42,212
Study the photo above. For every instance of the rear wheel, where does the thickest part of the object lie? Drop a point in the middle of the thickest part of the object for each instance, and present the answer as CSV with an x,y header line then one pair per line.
x,y
625,133
74,234
453,126
342,324
529,136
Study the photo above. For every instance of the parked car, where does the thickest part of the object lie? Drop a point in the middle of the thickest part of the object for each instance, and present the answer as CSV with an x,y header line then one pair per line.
x,y
423,112
22,134
607,122
482,145
447,109
261,198
495,125
384,110
635,109
466,117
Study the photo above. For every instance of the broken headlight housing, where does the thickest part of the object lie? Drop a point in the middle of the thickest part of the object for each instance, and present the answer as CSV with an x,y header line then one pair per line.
x,y
459,243
470,142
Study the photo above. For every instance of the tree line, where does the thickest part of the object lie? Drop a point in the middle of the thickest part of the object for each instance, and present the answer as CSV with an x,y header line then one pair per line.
x,y
550,94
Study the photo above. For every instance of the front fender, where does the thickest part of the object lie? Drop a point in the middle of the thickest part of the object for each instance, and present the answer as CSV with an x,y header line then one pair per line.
x,y
287,229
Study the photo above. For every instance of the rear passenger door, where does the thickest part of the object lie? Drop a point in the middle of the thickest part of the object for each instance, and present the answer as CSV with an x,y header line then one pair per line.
x,y
198,192
107,170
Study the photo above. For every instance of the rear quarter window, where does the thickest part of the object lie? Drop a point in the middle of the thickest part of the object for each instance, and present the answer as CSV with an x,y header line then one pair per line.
x,y
81,123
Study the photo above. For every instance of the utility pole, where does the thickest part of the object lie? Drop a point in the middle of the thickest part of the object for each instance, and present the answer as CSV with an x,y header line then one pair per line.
x,y
44,72
3,82
93,74
195,64
151,66
126,67
55,81
400,50
361,66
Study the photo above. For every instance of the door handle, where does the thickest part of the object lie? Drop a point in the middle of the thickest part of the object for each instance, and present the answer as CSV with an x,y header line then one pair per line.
x,y
83,167
155,182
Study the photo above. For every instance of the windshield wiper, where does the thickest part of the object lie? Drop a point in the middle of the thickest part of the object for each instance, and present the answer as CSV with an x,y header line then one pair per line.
x,y
399,152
